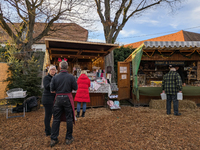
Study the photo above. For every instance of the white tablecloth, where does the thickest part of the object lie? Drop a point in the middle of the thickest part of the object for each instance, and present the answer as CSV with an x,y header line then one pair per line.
x,y
105,88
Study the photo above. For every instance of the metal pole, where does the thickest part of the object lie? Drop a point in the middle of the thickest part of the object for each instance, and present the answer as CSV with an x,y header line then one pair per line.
x,y
6,113
6,109
24,108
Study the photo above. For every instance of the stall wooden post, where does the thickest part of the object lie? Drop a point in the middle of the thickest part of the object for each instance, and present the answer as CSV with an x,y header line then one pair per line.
x,y
123,80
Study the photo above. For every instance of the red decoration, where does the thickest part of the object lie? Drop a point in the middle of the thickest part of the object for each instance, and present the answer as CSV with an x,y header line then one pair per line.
x,y
59,59
65,59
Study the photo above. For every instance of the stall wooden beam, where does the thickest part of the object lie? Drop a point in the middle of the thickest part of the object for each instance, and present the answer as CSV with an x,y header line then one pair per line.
x,y
88,51
78,53
73,50
78,56
63,49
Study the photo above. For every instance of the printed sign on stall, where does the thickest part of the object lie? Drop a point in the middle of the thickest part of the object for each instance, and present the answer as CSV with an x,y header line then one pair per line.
x,y
124,76
123,69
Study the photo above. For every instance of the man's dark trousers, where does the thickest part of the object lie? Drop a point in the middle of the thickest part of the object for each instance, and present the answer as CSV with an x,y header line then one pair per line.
x,y
62,104
171,98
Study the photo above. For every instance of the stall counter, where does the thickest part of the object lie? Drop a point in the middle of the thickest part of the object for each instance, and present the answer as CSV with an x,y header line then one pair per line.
x,y
155,91
97,97
146,94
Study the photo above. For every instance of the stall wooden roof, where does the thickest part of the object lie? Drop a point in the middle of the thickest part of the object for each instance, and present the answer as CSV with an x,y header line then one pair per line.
x,y
77,49
178,36
169,46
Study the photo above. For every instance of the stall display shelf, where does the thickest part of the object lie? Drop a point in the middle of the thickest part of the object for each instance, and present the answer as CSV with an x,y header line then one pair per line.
x,y
154,70
192,75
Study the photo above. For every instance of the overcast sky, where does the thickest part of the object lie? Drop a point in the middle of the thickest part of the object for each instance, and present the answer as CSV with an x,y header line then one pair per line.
x,y
155,23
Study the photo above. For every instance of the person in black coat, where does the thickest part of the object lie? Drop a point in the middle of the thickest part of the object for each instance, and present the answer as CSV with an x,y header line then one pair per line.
x,y
48,98
180,71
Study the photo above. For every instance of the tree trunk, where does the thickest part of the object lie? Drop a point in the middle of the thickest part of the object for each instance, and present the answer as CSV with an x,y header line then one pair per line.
x,y
109,61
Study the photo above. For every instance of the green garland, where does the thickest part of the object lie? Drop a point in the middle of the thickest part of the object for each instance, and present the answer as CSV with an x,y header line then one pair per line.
x,y
176,51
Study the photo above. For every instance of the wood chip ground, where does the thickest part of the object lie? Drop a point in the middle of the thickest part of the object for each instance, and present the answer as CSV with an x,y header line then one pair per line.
x,y
137,128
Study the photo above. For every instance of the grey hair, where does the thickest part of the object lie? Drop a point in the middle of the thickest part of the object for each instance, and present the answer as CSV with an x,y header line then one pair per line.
x,y
63,65
51,67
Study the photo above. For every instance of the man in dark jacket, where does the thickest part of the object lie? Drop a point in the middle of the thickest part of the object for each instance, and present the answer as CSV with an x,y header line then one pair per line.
x,y
171,85
63,84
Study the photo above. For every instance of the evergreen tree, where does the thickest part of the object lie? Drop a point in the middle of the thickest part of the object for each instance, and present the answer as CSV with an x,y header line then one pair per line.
x,y
15,69
31,77
120,54
3,54
23,73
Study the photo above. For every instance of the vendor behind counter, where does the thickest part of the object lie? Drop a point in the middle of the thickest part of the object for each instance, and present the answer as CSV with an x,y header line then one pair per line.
x,y
180,70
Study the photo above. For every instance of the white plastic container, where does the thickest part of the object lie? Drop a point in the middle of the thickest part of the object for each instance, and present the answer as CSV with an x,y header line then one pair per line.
x,y
17,94
179,96
163,96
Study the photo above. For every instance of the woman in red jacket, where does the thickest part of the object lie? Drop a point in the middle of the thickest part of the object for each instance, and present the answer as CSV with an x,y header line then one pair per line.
x,y
82,94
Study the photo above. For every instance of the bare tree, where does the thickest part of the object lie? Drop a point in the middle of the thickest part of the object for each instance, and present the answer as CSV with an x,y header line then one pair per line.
x,y
114,14
28,12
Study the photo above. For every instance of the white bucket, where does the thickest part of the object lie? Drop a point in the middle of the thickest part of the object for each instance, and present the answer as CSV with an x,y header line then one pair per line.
x,y
179,96
163,96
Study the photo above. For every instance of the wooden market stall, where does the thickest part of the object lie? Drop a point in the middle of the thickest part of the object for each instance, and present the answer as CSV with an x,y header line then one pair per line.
x,y
81,56
155,59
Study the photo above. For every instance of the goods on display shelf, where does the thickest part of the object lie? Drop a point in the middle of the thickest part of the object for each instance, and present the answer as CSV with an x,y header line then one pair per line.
x,y
156,83
142,79
150,74
92,76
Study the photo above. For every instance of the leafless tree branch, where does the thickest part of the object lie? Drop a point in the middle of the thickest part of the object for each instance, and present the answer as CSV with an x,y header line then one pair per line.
x,y
32,11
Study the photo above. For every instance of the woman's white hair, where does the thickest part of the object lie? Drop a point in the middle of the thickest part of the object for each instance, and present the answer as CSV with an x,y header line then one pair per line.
x,y
51,67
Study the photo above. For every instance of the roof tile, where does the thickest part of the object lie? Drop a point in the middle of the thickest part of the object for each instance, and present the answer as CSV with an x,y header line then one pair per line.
x,y
178,36
66,31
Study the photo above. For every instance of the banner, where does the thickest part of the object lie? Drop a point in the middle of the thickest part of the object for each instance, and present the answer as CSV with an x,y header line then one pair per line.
x,y
136,58
167,63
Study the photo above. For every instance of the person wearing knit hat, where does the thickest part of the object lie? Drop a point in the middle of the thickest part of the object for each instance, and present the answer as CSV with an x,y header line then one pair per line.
x,y
48,98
